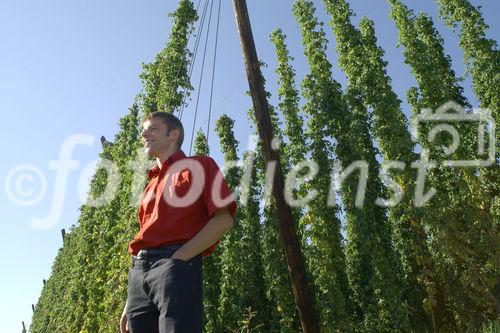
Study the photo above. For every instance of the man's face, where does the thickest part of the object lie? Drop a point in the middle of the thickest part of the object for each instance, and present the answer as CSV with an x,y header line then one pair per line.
x,y
155,137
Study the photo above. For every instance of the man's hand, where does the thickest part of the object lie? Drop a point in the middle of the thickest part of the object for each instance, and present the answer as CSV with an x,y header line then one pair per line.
x,y
123,322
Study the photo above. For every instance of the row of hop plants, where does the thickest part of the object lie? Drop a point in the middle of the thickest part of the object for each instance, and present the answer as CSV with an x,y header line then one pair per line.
x,y
371,268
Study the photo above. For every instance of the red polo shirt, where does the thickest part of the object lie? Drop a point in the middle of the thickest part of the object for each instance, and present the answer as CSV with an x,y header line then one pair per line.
x,y
179,200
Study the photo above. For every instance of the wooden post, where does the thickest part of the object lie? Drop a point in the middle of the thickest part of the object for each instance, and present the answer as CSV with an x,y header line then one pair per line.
x,y
44,282
288,232
24,328
63,234
33,307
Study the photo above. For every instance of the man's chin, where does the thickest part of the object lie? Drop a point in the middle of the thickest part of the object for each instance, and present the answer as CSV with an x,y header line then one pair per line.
x,y
150,152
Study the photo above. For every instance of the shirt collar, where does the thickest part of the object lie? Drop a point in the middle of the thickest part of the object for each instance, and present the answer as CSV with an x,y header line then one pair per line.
x,y
155,170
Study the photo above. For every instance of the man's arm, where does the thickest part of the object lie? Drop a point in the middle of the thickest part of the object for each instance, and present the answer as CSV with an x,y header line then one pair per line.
x,y
216,227
123,320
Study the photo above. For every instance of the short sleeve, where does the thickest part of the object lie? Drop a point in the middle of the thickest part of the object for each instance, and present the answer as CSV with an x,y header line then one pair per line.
x,y
216,193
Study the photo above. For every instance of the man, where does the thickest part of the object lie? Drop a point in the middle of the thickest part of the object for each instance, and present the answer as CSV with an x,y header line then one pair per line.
x,y
185,210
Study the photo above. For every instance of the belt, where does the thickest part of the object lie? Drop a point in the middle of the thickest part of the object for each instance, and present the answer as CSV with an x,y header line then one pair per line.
x,y
167,250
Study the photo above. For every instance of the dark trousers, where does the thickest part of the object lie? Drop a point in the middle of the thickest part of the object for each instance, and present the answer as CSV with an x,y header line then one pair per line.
x,y
165,295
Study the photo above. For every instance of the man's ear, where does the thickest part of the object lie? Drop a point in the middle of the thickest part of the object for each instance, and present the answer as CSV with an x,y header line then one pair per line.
x,y
174,134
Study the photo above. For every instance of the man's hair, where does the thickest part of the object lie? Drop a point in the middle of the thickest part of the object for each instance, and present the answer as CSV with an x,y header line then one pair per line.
x,y
171,121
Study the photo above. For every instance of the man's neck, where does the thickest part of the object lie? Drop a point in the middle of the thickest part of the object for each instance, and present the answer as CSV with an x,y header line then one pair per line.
x,y
165,156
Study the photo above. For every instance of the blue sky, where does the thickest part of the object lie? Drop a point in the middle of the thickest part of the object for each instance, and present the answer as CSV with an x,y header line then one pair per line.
x,y
72,67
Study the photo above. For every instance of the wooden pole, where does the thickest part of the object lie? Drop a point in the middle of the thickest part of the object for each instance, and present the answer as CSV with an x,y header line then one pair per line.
x,y
24,328
296,267
63,234
33,307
